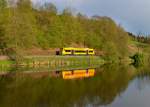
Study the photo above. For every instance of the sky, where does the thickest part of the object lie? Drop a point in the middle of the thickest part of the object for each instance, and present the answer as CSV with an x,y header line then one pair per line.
x,y
133,15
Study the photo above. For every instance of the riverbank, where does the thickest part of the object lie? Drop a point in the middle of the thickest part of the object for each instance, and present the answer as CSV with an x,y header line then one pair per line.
x,y
53,62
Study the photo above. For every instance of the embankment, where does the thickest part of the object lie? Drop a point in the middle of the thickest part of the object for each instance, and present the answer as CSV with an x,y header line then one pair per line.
x,y
53,62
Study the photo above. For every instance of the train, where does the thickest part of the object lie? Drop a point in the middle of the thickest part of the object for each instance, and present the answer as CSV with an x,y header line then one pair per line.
x,y
76,51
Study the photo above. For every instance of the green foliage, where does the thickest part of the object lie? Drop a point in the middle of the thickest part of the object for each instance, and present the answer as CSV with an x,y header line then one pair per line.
x,y
3,4
138,59
49,7
2,43
25,27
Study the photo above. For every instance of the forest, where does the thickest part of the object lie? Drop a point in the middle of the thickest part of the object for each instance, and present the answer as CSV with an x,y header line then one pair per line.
x,y
24,26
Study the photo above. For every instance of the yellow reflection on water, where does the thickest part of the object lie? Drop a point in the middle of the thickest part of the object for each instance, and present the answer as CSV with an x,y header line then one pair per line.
x,y
74,74
65,74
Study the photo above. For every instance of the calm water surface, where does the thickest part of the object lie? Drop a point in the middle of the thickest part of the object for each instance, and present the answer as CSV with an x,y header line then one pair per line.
x,y
107,86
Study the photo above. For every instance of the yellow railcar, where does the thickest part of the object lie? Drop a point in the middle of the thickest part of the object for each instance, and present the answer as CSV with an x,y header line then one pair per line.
x,y
77,51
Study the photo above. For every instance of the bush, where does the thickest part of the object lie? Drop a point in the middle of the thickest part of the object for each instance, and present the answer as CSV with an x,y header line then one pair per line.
x,y
138,59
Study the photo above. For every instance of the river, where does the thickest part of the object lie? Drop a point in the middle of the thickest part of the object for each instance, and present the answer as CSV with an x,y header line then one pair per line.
x,y
105,86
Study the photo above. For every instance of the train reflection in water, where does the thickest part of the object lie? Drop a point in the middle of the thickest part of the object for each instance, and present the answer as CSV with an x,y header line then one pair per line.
x,y
65,74
74,74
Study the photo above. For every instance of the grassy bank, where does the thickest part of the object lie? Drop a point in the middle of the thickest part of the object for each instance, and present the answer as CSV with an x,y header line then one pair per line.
x,y
53,62
5,65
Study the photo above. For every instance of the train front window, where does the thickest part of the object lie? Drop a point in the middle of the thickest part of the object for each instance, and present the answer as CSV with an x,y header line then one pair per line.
x,y
90,51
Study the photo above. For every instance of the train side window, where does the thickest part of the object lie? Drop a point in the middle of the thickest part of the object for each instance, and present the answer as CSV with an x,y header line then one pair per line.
x,y
90,51
80,51
67,50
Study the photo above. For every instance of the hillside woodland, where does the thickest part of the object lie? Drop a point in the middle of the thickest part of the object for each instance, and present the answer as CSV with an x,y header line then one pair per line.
x,y
24,26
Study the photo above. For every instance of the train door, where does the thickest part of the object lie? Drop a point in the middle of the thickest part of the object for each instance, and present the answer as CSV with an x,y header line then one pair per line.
x,y
72,52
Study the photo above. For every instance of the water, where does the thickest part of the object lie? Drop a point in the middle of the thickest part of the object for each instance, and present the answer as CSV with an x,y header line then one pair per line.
x,y
106,86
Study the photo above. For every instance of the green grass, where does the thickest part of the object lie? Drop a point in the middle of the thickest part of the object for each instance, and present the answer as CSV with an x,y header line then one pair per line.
x,y
142,46
80,59
6,62
139,44
55,62
5,65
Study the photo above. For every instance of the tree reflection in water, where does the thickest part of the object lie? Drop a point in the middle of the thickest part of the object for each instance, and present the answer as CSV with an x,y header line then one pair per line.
x,y
46,90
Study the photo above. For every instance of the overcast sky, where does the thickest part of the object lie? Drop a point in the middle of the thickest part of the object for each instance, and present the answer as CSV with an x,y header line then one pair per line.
x,y
133,15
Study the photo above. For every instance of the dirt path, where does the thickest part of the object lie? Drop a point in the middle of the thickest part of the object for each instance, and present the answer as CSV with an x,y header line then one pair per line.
x,y
4,57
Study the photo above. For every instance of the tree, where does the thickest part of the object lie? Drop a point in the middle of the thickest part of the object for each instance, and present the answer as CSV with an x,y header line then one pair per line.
x,y
2,4
23,26
20,26
24,4
49,7
2,40
67,12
